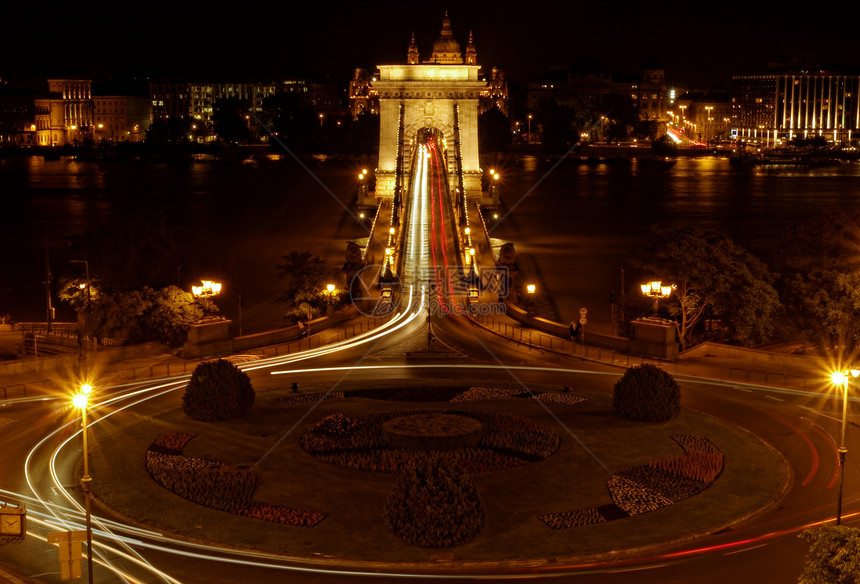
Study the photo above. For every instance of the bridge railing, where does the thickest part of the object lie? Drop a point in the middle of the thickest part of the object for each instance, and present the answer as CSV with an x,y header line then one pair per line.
x,y
537,341
185,367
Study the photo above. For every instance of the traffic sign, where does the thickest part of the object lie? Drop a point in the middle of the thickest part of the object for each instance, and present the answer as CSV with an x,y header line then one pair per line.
x,y
583,320
71,552
583,311
66,536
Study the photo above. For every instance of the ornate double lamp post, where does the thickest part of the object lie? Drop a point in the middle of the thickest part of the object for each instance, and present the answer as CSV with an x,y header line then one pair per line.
x,y
840,378
81,402
656,290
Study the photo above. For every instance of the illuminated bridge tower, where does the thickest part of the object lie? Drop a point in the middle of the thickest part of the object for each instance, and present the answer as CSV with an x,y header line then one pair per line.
x,y
439,97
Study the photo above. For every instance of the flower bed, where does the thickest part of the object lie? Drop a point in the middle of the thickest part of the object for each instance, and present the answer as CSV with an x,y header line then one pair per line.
x,y
482,393
278,514
507,441
215,484
649,487
311,398
559,398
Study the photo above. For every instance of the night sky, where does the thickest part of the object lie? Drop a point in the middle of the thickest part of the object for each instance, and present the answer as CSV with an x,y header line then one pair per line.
x,y
699,43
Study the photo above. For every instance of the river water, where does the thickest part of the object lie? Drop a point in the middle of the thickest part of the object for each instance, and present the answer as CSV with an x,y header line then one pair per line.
x,y
572,224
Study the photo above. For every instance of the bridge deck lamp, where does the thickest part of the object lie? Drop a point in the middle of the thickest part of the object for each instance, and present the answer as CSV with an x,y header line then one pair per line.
x,y
656,290
840,379
81,401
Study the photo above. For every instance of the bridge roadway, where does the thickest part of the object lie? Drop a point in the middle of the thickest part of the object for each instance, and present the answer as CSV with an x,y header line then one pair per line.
x,y
41,457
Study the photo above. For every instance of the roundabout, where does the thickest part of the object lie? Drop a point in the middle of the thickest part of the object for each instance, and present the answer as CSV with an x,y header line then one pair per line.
x,y
593,446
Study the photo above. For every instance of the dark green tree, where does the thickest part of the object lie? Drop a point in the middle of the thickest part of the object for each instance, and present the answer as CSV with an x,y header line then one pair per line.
x,y
293,121
303,275
230,119
834,555
818,262
647,393
494,131
144,315
556,126
217,390
170,130
620,115
365,134
713,277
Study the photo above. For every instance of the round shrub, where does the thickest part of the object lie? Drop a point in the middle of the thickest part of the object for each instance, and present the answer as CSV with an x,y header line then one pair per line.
x,y
217,390
647,394
435,505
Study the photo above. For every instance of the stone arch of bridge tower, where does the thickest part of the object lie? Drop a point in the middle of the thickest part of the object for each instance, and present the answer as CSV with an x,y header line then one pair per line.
x,y
410,135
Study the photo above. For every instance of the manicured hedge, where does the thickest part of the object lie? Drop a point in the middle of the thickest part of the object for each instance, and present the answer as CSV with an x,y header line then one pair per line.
x,y
646,393
217,390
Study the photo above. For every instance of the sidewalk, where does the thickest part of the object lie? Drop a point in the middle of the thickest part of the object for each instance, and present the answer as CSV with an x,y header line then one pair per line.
x,y
7,578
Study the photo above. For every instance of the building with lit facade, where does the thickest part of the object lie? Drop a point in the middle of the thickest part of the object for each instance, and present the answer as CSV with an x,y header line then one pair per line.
x,y
66,116
775,108
197,99
121,118
363,98
590,83
495,94
17,126
702,118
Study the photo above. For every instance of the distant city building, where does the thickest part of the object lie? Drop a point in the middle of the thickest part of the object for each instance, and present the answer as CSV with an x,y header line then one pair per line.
x,y
495,94
589,82
198,99
121,118
703,118
17,116
66,116
363,98
774,108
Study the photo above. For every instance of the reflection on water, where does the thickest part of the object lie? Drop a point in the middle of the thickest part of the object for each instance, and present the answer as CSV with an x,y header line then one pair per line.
x,y
578,220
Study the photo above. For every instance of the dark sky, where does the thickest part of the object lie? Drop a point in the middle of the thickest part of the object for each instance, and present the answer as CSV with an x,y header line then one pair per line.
x,y
697,42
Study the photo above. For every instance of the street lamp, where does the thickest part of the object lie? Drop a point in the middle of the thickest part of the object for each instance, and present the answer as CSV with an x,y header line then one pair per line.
x,y
206,289
656,290
81,401
530,128
840,378
530,289
329,295
86,316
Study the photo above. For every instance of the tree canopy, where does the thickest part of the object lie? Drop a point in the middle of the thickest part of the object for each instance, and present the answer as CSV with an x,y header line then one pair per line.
x,y
818,260
834,555
714,277
303,274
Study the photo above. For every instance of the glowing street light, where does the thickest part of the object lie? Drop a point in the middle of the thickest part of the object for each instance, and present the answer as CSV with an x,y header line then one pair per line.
x,y
81,401
656,290
208,288
840,378
531,289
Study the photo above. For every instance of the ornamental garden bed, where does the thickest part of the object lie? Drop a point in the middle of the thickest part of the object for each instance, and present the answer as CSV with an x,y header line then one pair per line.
x,y
515,488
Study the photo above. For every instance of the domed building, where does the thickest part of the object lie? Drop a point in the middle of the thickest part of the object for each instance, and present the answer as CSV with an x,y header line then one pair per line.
x,y
446,50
